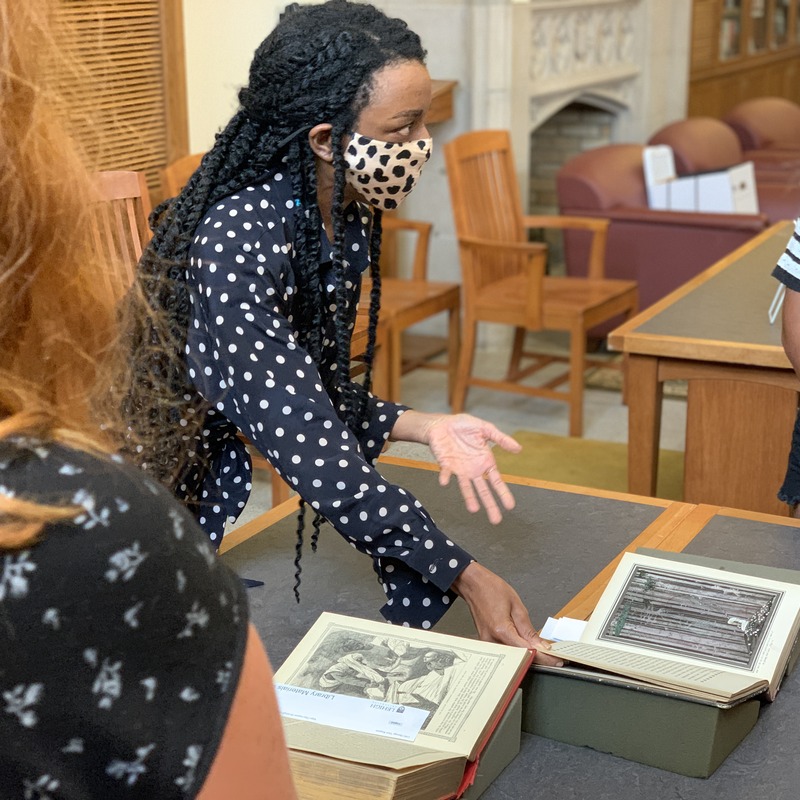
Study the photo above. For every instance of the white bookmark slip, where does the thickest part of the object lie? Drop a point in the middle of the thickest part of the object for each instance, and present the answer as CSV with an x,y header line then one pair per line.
x,y
351,713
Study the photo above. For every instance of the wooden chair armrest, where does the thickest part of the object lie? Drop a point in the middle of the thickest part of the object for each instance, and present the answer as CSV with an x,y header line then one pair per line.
x,y
552,221
401,224
475,243
597,226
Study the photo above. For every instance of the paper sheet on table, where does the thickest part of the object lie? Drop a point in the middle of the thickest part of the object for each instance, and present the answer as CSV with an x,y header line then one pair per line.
x,y
563,629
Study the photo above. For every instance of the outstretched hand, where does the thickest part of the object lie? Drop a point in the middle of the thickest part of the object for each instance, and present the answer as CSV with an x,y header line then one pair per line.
x,y
461,444
498,612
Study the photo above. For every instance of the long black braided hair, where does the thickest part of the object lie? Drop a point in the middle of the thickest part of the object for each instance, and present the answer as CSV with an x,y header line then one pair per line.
x,y
316,66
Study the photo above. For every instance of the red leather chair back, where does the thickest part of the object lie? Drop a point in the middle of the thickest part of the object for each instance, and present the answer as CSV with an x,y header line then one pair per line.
x,y
700,144
764,123
583,182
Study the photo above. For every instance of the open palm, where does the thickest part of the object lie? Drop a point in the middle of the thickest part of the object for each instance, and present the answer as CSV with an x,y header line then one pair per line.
x,y
462,445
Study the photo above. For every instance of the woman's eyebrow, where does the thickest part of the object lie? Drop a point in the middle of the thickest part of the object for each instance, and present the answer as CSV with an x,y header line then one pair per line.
x,y
411,113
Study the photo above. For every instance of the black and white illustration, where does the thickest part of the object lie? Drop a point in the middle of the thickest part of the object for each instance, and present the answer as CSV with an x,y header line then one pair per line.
x,y
385,668
709,619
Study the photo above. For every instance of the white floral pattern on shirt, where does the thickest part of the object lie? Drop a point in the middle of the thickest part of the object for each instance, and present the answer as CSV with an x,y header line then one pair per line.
x,y
114,635
20,701
14,575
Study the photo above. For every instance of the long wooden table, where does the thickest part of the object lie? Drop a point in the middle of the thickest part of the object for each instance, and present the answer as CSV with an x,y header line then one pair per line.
x,y
715,333
558,548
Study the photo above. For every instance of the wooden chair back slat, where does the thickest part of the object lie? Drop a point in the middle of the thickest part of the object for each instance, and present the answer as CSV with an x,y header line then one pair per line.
x,y
398,232
486,205
119,226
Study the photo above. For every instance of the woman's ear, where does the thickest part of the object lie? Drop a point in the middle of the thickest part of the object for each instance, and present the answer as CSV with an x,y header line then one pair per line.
x,y
319,137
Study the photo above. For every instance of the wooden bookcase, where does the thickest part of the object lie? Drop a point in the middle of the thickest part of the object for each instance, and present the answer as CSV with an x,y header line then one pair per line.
x,y
743,49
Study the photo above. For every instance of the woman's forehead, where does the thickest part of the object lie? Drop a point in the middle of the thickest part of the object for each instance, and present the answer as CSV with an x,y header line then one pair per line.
x,y
400,87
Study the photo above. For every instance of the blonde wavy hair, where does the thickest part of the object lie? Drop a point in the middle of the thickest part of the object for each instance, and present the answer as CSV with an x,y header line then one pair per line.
x,y
57,326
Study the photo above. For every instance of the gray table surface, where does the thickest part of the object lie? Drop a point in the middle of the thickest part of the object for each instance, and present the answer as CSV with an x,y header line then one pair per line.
x,y
549,547
766,763
731,306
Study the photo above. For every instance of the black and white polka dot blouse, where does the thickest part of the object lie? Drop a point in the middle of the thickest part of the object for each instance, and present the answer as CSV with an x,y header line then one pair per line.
x,y
121,637
244,356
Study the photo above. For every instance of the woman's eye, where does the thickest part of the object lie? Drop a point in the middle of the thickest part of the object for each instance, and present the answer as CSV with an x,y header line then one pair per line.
x,y
404,131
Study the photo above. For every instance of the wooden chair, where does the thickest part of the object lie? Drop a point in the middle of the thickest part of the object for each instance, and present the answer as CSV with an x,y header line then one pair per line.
x,y
119,226
504,278
404,303
176,175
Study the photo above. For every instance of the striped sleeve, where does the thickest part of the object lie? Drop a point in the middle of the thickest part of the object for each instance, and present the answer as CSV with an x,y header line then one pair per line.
x,y
787,270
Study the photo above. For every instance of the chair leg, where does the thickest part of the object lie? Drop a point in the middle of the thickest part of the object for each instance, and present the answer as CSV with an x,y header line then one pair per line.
x,y
465,360
577,368
516,354
381,380
280,489
395,362
453,350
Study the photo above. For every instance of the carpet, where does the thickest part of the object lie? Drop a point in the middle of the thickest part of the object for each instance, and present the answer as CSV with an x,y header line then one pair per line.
x,y
585,462
611,379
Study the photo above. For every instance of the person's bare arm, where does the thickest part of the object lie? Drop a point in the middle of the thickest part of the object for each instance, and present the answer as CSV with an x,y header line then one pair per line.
x,y
790,331
252,762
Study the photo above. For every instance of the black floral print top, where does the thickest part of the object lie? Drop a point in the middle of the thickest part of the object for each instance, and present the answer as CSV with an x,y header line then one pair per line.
x,y
121,636
245,358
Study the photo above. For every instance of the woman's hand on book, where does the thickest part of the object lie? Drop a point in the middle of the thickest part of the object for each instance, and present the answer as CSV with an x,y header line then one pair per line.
x,y
498,613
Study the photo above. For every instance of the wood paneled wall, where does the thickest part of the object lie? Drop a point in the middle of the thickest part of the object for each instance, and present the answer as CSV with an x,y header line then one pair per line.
x,y
767,61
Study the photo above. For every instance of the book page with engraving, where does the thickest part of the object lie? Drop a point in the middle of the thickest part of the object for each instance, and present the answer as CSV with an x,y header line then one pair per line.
x,y
709,630
460,682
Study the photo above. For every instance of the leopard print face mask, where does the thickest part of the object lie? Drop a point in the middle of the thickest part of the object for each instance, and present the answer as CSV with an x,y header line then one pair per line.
x,y
385,172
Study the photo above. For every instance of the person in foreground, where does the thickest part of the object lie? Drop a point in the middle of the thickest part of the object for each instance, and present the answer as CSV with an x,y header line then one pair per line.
x,y
128,668
787,271
259,262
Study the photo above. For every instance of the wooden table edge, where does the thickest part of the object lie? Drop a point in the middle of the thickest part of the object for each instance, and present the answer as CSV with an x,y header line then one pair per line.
x,y
255,526
538,483
718,351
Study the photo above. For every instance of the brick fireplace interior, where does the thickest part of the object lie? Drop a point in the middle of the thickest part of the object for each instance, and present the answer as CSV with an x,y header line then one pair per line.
x,y
575,128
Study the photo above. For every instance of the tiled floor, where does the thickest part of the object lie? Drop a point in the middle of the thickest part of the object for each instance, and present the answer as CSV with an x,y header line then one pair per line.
x,y
605,417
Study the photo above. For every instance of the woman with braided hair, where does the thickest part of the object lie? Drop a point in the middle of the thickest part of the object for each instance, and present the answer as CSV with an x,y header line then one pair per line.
x,y
259,263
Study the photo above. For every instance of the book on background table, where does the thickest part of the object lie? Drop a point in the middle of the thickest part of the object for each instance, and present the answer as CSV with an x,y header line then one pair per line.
x,y
716,635
462,685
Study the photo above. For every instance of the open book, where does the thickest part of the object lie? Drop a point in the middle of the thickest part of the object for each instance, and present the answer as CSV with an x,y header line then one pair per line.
x,y
717,635
459,687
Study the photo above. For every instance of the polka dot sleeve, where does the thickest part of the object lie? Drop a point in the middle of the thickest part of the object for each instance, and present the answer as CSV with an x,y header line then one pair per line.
x,y
246,360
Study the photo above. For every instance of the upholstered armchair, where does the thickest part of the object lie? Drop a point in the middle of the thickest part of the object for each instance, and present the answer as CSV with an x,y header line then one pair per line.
x,y
705,144
766,124
660,250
